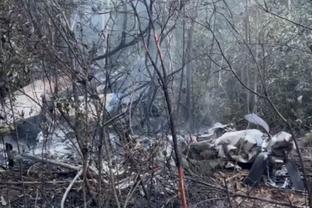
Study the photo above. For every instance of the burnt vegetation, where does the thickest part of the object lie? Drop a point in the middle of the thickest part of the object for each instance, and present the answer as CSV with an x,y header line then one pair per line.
x,y
147,103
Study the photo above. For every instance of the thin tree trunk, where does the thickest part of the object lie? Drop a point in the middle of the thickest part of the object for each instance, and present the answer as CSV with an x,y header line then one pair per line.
x,y
182,71
247,68
188,69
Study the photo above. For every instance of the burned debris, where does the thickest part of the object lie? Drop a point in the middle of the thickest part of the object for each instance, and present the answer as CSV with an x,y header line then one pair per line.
x,y
264,159
148,103
264,154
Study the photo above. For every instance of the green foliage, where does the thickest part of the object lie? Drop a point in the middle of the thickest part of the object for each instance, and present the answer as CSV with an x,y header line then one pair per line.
x,y
257,45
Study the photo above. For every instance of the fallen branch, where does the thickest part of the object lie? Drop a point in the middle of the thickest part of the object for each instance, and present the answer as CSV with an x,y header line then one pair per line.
x,y
121,185
53,162
13,183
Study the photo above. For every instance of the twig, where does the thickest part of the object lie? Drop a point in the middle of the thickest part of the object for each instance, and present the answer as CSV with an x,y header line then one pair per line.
x,y
227,192
284,18
266,200
266,97
233,194
208,200
37,196
69,187
132,190
163,78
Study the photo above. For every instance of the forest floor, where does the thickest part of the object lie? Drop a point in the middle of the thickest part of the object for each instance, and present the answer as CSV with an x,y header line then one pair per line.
x,y
43,185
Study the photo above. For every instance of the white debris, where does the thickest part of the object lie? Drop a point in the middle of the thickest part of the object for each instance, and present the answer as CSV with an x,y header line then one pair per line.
x,y
279,143
3,201
217,126
255,119
242,146
28,100
299,99
56,145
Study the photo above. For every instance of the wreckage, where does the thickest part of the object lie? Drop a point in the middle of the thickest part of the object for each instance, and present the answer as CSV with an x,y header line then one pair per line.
x,y
266,154
220,147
